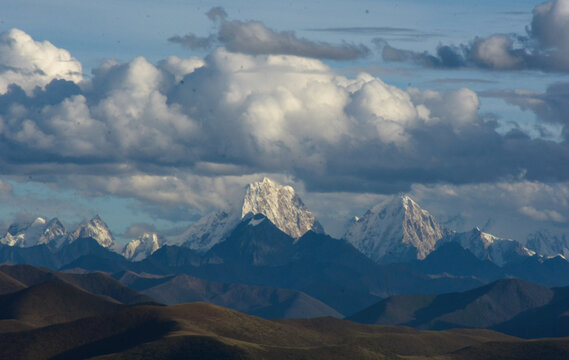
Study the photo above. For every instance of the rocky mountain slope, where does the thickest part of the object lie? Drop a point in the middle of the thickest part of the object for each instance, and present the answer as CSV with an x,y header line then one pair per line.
x,y
38,232
141,248
397,230
489,247
281,206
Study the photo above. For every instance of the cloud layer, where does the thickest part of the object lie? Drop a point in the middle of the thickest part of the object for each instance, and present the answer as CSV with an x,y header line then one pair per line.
x,y
545,46
254,38
190,133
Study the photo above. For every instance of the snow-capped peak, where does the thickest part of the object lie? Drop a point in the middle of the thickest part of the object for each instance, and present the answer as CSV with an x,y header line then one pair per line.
x,y
549,244
281,206
490,247
40,231
142,247
207,232
395,230
277,203
96,229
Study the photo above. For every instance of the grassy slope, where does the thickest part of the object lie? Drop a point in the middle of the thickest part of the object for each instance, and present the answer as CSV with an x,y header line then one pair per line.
x,y
202,331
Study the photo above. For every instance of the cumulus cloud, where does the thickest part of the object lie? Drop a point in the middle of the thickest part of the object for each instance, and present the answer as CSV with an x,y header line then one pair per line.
x,y
253,37
121,114
190,133
495,52
544,47
29,63
551,106
509,209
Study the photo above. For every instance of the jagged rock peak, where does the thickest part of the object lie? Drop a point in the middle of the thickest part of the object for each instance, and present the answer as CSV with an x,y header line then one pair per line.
x,y
281,206
142,247
395,230
40,231
96,229
20,227
490,247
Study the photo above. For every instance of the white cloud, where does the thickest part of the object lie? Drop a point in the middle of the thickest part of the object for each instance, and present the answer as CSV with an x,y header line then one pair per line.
x,y
510,208
457,108
496,52
386,108
550,25
545,46
29,63
542,215
192,132
180,67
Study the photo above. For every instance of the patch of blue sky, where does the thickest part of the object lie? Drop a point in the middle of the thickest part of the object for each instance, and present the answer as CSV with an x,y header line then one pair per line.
x,y
128,28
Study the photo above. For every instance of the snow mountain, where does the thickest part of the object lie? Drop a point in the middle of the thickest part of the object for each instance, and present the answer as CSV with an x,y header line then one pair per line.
x,y
276,202
208,231
96,229
547,244
38,232
397,230
142,247
489,247
281,206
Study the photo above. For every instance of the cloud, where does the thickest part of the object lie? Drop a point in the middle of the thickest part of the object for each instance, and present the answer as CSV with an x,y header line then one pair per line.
x,y
494,52
29,63
542,215
5,188
551,106
544,47
254,38
185,135
509,209
194,42
216,13
392,33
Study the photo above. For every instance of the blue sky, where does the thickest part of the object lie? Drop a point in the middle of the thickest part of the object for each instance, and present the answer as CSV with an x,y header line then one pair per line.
x,y
481,142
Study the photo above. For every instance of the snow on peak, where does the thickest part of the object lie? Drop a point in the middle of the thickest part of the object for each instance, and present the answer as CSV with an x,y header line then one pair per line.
x,y
255,222
142,247
489,247
208,231
395,230
548,244
278,203
40,231
96,229
281,206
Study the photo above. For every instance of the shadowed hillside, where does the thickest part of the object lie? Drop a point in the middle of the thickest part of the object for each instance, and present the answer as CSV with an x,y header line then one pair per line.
x,y
96,283
203,331
478,308
262,301
53,302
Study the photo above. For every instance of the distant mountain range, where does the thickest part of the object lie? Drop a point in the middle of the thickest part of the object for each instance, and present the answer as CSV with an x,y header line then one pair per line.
x,y
272,257
53,315
396,231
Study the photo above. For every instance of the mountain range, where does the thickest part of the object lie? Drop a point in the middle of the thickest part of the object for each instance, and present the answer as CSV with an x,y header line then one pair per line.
x,y
86,325
46,316
272,257
395,231
408,286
